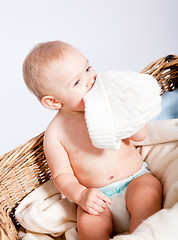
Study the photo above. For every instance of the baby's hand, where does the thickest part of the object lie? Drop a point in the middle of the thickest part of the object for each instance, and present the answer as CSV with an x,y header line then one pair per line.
x,y
93,201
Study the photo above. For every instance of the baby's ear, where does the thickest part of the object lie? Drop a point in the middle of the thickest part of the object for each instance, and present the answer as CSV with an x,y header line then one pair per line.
x,y
51,102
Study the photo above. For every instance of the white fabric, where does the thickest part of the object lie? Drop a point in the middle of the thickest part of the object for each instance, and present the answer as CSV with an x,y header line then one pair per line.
x,y
44,214
160,151
160,226
46,211
118,105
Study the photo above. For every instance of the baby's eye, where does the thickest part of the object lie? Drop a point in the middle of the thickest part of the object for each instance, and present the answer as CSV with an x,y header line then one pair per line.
x,y
77,82
88,68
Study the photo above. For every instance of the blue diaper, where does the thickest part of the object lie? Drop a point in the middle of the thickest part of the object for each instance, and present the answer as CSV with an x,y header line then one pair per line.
x,y
121,186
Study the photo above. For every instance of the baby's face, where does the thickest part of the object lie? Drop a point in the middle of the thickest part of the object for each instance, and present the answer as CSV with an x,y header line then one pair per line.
x,y
72,78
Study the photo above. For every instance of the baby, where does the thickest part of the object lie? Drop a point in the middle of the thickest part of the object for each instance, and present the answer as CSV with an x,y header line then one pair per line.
x,y
60,76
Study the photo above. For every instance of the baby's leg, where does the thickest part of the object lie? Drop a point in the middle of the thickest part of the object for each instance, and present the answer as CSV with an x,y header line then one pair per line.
x,y
143,198
94,227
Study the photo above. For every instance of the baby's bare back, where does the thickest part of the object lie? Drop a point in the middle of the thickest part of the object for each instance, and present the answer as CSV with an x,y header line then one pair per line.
x,y
94,167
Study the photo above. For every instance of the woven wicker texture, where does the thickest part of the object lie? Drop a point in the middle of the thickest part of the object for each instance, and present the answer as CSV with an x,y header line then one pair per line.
x,y
165,70
25,168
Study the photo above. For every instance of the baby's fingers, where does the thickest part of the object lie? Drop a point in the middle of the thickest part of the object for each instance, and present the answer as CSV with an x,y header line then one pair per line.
x,y
97,208
92,211
100,202
105,198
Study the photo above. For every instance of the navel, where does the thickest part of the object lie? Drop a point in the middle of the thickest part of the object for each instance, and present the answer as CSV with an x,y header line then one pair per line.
x,y
111,177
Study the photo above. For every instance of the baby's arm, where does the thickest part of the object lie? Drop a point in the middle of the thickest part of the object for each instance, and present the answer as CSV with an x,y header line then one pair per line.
x,y
91,200
140,135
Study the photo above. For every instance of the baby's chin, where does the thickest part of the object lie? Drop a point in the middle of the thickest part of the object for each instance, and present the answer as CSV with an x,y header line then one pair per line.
x,y
81,106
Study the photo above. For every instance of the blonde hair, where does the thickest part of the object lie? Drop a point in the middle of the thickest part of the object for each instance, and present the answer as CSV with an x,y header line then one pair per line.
x,y
37,63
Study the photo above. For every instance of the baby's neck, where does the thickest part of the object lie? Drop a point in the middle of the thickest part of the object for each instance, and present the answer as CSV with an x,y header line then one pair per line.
x,y
71,114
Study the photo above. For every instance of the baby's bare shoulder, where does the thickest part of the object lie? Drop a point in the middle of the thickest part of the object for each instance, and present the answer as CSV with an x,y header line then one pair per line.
x,y
54,129
55,153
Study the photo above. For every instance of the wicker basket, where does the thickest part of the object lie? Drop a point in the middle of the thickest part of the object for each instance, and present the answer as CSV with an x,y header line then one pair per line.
x,y
25,168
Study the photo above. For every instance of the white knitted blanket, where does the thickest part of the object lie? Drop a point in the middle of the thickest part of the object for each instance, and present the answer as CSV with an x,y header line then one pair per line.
x,y
118,105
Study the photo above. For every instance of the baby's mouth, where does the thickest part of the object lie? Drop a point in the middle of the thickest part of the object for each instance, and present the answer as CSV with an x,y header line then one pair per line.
x,y
92,84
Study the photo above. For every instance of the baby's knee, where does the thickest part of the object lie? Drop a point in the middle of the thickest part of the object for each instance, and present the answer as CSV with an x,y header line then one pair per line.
x,y
153,190
153,195
93,226
84,223
147,189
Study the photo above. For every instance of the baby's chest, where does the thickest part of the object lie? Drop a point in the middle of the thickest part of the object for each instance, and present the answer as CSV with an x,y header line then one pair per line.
x,y
75,138
82,152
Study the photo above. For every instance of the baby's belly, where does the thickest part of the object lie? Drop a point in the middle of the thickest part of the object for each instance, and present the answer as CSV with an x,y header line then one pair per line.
x,y
107,166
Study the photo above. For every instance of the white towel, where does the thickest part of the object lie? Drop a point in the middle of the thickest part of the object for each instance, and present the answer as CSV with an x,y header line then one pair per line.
x,y
160,226
118,105
44,211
